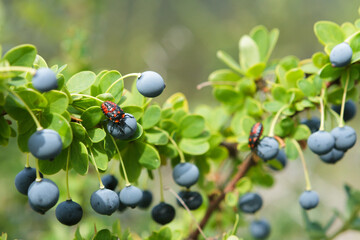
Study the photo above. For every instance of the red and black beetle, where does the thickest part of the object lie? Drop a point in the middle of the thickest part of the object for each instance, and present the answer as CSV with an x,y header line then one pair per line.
x,y
255,134
112,111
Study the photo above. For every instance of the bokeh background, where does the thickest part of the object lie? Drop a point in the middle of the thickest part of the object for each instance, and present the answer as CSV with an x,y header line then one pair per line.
x,y
178,39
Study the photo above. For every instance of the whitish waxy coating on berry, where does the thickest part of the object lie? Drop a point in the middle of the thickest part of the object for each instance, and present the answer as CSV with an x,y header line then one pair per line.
x,y
192,200
130,196
45,144
321,142
163,213
185,174
69,213
349,110
44,80
260,229
150,84
345,137
268,148
104,201
333,156
123,130
250,202
24,179
341,55
43,195
309,200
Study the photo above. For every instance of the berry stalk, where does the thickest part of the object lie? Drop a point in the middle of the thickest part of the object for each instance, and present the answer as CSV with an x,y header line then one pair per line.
x,y
127,183
273,123
205,84
181,154
88,96
322,111
38,177
137,75
18,69
27,164
67,175
97,170
162,199
306,173
341,123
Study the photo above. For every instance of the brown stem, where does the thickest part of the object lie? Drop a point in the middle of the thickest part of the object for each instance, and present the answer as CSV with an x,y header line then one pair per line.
x,y
75,119
215,202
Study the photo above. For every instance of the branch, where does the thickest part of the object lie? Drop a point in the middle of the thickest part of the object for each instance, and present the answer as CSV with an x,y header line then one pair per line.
x,y
214,203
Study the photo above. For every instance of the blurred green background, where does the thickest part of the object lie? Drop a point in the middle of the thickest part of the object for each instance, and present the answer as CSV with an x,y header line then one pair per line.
x,y
178,39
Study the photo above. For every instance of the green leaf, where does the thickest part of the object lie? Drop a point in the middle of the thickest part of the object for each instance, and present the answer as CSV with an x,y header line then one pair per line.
x,y
5,128
302,132
247,86
103,234
249,52
290,149
147,155
192,126
194,146
22,55
253,107
151,116
215,117
78,235
107,80
330,73
261,37
168,125
57,101
352,74
78,130
292,76
177,101
163,234
33,99
51,167
136,111
328,33
244,185
273,106
79,157
25,130
231,199
227,94
279,93
80,81
255,71
39,62
91,117
218,153
273,37
156,136
320,59
96,135
58,123
223,75
130,156
229,61
241,124
307,87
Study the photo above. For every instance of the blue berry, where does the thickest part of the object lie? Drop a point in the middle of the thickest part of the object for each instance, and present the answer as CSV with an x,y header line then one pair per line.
x,y
281,158
321,142
69,213
36,209
109,181
345,137
268,148
45,144
185,174
104,201
24,178
309,200
333,156
341,55
146,199
130,196
313,123
43,195
124,129
349,110
44,80
150,84
250,202
163,213
193,200
260,229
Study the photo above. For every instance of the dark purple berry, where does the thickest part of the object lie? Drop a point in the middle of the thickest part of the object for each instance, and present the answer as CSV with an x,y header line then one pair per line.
x,y
163,213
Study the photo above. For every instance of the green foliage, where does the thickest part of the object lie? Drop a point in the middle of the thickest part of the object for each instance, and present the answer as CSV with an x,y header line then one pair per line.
x,y
251,89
